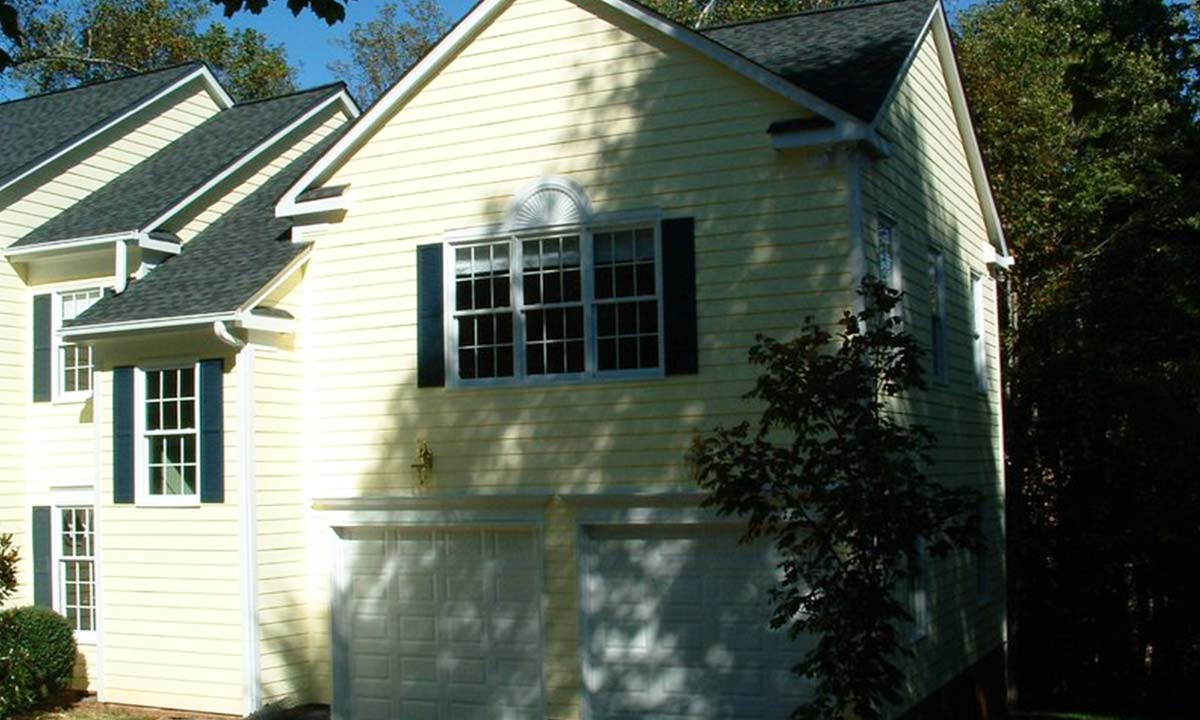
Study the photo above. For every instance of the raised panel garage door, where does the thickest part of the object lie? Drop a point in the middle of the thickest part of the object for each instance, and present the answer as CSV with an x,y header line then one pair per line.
x,y
676,626
440,624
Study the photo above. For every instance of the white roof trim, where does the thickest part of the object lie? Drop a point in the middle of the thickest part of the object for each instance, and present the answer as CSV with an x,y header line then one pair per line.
x,y
962,112
69,244
151,324
280,278
202,72
483,14
341,97
905,66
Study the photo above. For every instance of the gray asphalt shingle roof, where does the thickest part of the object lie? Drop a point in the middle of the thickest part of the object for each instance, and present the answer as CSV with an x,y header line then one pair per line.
x,y
159,182
35,128
848,56
222,267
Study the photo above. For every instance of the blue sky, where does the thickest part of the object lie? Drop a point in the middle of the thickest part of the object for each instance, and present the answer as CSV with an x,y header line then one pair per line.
x,y
309,41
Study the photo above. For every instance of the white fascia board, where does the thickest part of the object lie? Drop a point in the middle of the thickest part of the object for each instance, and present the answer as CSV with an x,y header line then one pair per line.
x,y
57,246
265,323
203,73
966,128
483,14
182,321
163,246
342,98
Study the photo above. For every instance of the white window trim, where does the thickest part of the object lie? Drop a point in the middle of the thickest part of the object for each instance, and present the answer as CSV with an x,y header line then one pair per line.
x,y
60,501
141,454
58,395
603,223
979,333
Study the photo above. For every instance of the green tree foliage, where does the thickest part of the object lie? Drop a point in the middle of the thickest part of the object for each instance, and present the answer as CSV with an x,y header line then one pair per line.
x,y
384,48
697,13
8,567
67,45
1087,114
834,477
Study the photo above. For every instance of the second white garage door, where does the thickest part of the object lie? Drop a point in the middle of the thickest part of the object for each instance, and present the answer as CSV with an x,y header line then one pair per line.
x,y
676,626
440,624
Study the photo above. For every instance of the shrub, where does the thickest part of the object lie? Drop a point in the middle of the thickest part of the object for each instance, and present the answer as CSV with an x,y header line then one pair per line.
x,y
37,657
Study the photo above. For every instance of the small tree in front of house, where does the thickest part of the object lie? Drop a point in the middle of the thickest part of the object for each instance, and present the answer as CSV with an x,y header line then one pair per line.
x,y
833,474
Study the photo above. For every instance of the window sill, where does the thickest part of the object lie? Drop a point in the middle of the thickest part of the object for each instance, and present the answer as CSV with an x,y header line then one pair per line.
x,y
87,638
75,398
573,380
189,501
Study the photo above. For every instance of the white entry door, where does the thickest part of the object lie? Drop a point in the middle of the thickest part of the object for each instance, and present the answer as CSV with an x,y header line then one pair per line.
x,y
676,626
439,624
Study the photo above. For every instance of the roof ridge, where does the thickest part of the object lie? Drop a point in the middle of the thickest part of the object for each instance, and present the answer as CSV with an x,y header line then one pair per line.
x,y
846,5
338,84
88,86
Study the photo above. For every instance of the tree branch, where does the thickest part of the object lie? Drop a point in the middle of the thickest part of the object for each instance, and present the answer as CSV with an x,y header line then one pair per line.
x,y
79,59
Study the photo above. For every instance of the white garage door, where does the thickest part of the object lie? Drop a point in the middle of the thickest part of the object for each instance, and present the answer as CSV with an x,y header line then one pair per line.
x,y
676,626
440,624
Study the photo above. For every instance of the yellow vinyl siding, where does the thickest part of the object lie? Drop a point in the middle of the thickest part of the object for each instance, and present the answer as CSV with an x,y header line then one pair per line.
x,y
640,122
88,168
171,601
283,593
927,188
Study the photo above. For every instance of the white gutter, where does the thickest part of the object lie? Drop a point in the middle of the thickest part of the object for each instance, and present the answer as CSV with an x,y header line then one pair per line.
x,y
69,244
841,133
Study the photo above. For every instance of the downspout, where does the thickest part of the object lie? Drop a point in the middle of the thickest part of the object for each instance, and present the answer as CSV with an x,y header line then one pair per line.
x,y
122,266
252,696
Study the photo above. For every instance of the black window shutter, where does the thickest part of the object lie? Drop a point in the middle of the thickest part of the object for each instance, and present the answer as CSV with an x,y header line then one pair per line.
x,y
42,588
679,296
212,431
42,360
431,332
122,435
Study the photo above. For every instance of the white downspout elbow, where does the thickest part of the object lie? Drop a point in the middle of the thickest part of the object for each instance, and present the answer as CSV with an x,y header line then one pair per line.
x,y
221,330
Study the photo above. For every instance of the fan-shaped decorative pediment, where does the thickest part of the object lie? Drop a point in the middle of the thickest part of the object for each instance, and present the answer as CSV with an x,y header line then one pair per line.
x,y
549,202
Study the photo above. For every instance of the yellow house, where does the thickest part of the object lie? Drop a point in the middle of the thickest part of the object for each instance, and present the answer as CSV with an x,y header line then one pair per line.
x,y
393,413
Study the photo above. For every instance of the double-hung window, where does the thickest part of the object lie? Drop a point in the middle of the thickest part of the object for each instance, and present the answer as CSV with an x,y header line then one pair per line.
x,y
170,435
888,252
536,306
75,567
73,363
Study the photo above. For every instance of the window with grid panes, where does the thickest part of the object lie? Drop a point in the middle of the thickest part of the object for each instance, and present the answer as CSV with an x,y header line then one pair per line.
x,y
170,432
74,361
76,567
559,304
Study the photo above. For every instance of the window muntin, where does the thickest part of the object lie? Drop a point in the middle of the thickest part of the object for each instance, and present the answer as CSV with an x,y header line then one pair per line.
x,y
579,304
169,433
937,313
76,567
73,370
978,333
